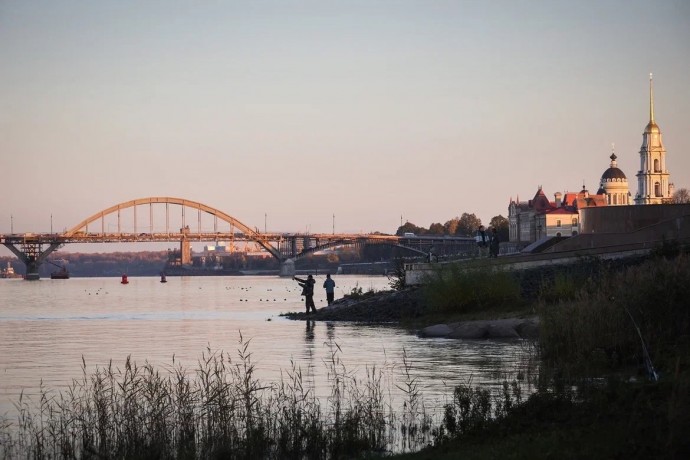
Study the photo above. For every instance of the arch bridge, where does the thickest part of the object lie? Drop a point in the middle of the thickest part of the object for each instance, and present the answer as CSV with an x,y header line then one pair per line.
x,y
169,219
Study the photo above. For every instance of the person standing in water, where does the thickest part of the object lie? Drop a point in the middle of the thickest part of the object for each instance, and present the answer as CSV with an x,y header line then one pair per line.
x,y
307,291
329,286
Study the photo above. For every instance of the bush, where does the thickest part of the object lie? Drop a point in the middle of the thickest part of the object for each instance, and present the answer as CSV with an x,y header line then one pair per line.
x,y
599,327
357,293
454,290
397,278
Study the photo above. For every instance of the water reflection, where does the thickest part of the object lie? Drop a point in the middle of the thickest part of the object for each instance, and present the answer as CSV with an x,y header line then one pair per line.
x,y
309,332
330,331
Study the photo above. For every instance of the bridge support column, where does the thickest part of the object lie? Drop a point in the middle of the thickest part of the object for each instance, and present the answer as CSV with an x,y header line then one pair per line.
x,y
32,255
287,268
185,252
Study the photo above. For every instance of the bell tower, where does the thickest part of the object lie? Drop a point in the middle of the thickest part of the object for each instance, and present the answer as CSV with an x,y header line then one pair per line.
x,y
653,186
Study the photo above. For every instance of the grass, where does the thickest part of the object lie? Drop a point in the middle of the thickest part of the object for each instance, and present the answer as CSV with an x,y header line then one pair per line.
x,y
614,318
454,290
616,420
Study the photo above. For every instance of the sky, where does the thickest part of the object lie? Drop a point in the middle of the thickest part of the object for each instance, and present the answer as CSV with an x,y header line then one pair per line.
x,y
287,113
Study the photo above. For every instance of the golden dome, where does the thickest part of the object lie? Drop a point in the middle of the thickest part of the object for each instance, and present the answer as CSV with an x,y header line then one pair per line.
x,y
652,127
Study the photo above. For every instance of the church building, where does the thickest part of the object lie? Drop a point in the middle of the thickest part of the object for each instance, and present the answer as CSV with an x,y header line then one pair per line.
x,y
653,185
614,185
539,217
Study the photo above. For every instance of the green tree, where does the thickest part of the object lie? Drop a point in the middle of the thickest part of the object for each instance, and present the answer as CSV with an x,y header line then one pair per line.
x,y
500,223
409,227
468,224
437,229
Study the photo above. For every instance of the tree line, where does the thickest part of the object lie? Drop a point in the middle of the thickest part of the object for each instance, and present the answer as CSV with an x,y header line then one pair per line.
x,y
465,225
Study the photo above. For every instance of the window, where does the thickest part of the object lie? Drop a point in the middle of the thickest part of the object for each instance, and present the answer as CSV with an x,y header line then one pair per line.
x,y
558,223
657,189
656,166
574,221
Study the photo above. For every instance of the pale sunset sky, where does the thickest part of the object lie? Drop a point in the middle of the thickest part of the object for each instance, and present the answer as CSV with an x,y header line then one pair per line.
x,y
297,110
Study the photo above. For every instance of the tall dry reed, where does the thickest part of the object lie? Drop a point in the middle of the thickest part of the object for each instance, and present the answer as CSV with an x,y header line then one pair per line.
x,y
220,409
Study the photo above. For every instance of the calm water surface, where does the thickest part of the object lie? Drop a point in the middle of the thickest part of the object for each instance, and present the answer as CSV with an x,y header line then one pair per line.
x,y
47,326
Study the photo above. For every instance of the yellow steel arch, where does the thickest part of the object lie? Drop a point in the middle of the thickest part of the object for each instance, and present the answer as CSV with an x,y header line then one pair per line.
x,y
251,234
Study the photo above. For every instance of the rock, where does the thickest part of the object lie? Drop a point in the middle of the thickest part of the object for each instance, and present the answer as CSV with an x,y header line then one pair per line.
x,y
502,330
470,330
438,330
528,329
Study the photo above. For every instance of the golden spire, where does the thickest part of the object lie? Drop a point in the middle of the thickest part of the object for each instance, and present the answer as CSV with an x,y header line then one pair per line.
x,y
651,98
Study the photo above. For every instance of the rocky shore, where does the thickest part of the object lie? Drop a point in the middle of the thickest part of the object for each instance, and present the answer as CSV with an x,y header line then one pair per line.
x,y
379,307
396,306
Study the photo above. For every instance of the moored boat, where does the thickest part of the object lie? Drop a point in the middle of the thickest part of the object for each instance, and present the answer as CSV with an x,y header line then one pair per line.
x,y
61,274
9,272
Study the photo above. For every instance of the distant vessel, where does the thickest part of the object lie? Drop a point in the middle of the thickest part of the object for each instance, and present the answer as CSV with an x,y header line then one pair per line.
x,y
61,274
9,272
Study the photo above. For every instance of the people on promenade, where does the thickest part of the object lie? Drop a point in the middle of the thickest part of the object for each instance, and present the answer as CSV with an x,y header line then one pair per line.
x,y
329,286
494,243
307,291
482,240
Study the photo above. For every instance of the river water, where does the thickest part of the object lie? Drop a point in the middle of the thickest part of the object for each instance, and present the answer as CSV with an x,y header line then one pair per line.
x,y
47,327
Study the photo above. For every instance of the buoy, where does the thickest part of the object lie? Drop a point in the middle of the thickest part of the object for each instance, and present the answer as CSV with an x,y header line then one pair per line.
x,y
163,280
124,280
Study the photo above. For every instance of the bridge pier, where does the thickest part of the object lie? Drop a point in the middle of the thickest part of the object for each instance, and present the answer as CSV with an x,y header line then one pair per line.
x,y
287,268
185,252
32,255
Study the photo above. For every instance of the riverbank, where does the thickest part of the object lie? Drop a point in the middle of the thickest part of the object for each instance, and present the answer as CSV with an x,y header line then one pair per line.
x,y
408,308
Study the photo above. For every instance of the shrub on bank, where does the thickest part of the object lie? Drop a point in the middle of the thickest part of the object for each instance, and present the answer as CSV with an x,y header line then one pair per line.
x,y
453,289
